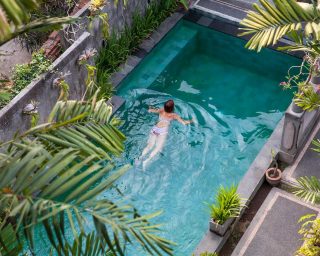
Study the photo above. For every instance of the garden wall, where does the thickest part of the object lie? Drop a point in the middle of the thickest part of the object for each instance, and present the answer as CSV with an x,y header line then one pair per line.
x,y
42,89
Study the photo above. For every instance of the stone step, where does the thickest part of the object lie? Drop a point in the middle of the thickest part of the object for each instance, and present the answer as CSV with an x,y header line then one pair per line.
x,y
172,48
232,10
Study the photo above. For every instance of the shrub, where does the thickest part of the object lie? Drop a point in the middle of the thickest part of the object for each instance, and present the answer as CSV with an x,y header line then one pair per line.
x,y
310,229
227,204
23,74
119,47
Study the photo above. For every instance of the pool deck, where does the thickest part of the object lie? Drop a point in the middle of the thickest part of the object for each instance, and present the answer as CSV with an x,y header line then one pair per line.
x,y
274,229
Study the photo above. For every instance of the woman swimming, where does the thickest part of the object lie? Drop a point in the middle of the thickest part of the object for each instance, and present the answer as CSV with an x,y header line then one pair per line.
x,y
159,132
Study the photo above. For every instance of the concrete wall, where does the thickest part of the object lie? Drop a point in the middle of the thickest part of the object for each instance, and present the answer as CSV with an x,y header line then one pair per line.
x,y
43,91
297,128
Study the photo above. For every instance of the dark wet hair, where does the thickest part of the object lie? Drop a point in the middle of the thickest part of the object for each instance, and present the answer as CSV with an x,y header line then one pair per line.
x,y
169,106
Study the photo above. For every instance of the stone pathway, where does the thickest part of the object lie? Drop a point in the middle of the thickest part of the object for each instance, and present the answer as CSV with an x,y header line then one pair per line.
x,y
274,229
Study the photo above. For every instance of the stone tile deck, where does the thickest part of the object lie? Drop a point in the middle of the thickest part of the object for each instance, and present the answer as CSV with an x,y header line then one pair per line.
x,y
274,229
232,10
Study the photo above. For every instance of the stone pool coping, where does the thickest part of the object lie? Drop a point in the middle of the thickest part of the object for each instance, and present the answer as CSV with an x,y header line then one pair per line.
x,y
254,177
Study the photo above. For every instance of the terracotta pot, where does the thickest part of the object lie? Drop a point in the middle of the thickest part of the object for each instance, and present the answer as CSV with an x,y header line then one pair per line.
x,y
220,229
273,181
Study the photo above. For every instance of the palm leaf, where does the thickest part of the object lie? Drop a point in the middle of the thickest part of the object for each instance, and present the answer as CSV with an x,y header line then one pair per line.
x,y
53,174
307,188
268,23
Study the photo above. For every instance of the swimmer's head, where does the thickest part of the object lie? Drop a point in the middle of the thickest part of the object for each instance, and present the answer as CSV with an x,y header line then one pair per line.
x,y
169,106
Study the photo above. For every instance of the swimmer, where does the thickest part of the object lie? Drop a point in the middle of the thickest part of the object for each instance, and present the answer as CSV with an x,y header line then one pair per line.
x,y
159,132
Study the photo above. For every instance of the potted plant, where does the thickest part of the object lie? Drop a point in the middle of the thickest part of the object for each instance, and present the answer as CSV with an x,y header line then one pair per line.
x,y
226,208
273,174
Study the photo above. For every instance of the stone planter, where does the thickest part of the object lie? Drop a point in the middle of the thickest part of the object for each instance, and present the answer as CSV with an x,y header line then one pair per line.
x,y
315,79
295,108
273,180
220,229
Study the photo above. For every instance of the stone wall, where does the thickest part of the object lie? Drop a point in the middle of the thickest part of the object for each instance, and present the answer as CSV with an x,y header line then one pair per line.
x,y
43,91
297,128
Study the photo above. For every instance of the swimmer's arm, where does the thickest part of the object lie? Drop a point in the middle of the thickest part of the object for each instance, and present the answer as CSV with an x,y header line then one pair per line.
x,y
184,122
154,110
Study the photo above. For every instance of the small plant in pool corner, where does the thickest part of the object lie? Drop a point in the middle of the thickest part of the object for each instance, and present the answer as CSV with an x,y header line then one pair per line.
x,y
273,174
226,208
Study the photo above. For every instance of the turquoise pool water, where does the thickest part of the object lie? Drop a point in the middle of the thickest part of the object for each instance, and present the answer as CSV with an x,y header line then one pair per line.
x,y
234,98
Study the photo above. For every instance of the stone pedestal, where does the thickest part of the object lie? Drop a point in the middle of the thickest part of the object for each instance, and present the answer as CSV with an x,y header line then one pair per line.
x,y
296,130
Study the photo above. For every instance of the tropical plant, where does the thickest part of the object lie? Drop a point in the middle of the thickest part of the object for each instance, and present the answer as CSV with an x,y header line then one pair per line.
x,y
227,204
23,74
207,254
298,22
307,188
15,19
54,173
33,40
310,229
268,23
119,47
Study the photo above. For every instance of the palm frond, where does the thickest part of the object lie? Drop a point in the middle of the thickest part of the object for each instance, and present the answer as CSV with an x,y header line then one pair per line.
x,y
54,173
307,188
269,23
9,243
15,19
316,144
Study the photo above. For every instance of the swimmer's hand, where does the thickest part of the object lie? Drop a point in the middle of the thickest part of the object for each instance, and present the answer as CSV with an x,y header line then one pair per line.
x,y
153,110
188,121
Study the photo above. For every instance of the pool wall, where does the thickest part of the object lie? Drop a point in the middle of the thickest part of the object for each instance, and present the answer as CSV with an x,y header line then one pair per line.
x,y
42,89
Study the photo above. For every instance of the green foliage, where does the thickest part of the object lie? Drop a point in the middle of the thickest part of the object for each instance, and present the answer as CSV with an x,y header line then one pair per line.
x,y
307,188
306,98
268,23
227,204
207,254
9,243
33,40
5,96
54,173
119,47
316,144
15,19
310,229
23,74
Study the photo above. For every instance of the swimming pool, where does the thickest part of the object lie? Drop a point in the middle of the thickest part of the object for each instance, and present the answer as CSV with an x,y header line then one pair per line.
x,y
234,98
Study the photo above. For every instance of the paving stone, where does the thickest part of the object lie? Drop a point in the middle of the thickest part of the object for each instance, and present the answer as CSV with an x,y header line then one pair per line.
x,y
116,103
116,78
205,21
147,45
274,229
309,165
133,60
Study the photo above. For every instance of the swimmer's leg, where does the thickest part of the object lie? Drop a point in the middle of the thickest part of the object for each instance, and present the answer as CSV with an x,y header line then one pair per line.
x,y
151,142
161,139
